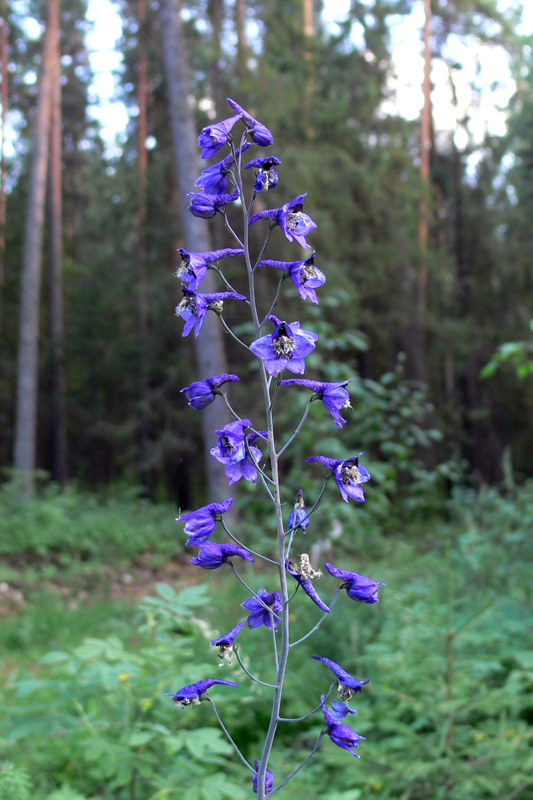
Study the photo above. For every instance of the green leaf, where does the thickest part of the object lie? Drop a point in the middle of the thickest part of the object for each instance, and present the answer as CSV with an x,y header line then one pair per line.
x,y
54,657
139,738
91,648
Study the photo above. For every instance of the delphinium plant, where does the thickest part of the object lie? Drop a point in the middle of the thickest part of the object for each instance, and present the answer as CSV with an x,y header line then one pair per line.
x,y
279,346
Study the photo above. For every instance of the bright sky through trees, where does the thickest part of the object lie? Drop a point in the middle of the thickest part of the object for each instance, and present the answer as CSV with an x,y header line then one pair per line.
x,y
484,67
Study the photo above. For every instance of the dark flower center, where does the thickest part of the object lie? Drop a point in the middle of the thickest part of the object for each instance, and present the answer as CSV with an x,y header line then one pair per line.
x,y
188,303
307,272
294,217
226,444
283,346
350,473
345,692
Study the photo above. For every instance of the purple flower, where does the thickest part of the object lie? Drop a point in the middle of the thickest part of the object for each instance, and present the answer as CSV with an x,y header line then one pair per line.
x,y
225,643
194,306
269,778
265,177
215,179
194,266
357,586
259,133
348,474
261,615
213,555
299,518
200,524
339,733
195,692
291,219
305,276
303,578
237,451
206,205
213,137
202,393
341,710
285,348
347,684
333,395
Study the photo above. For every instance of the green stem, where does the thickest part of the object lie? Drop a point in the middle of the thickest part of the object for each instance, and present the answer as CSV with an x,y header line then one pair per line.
x,y
284,650
253,552
270,685
291,776
320,621
235,747
299,427
300,719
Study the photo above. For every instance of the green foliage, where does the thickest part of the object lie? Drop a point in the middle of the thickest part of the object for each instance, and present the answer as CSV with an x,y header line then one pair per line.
x,y
447,711
518,354
100,708
71,525
14,782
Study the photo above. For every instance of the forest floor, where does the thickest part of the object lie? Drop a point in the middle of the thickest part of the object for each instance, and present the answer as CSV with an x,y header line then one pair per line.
x,y
86,583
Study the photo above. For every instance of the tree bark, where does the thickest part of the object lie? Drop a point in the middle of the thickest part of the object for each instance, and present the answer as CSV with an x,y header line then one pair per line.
x,y
216,17
4,98
309,32
242,43
27,363
142,303
209,349
54,218
417,333
425,152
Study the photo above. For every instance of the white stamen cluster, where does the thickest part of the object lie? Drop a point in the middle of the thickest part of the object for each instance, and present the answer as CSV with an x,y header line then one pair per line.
x,y
293,219
307,273
306,570
351,474
225,652
187,302
345,692
283,346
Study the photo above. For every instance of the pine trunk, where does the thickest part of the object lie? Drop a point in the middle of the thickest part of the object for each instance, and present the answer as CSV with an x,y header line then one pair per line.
x,y
209,349
27,362
55,281
4,98
142,304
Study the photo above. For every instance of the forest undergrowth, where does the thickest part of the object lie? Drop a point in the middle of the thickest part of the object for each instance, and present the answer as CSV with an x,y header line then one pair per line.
x,y
86,658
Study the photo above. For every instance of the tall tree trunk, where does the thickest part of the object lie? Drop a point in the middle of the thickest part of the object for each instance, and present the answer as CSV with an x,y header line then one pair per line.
x,y
142,165
54,220
242,43
418,333
425,152
209,349
216,17
309,32
27,362
4,99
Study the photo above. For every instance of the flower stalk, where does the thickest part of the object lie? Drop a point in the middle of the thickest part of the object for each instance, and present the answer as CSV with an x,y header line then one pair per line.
x,y
238,448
